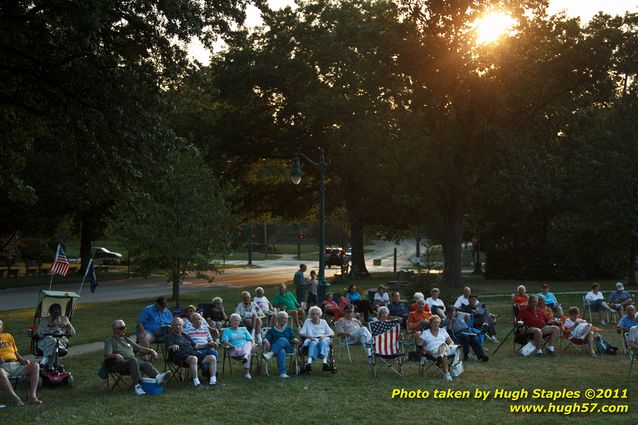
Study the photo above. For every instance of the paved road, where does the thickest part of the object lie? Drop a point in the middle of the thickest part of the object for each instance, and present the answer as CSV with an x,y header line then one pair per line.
x,y
269,272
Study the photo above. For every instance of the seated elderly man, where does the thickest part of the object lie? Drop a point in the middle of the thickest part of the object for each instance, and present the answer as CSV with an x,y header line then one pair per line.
x,y
181,348
629,320
287,301
251,314
596,301
620,299
12,364
459,330
154,322
397,309
119,356
350,326
463,299
538,326
55,322
483,319
199,332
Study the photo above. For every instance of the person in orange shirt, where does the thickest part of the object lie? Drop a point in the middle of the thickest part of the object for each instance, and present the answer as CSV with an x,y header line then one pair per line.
x,y
419,320
549,313
520,297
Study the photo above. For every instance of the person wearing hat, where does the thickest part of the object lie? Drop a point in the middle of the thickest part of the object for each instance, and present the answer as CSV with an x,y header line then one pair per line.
x,y
550,300
350,327
154,322
620,299
49,325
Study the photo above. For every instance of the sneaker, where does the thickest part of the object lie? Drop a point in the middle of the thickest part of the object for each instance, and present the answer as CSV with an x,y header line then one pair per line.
x,y
212,382
551,352
139,390
268,356
447,377
494,340
284,375
161,378
247,376
539,354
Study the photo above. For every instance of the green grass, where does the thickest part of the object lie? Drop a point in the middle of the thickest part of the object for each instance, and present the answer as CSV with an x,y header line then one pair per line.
x,y
352,394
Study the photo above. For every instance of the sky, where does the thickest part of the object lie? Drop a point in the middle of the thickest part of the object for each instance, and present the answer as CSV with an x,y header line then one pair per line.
x,y
583,8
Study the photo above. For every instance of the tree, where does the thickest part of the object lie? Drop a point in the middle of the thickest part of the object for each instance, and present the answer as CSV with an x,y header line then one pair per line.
x,y
179,220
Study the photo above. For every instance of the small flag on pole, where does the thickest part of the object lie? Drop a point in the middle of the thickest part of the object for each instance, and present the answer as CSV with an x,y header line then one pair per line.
x,y
60,264
90,273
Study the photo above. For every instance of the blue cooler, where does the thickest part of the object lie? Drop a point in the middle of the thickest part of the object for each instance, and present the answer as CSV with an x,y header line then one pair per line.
x,y
152,388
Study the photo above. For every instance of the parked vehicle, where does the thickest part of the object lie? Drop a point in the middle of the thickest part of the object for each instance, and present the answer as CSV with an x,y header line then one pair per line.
x,y
106,256
334,257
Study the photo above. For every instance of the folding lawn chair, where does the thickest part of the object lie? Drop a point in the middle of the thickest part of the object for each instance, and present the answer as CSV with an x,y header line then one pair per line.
x,y
386,346
428,361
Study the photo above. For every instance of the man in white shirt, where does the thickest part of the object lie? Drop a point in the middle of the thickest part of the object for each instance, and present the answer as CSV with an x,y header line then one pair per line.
x,y
251,314
463,299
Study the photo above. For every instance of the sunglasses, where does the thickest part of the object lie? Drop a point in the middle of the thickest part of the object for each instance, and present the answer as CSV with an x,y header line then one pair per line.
x,y
122,328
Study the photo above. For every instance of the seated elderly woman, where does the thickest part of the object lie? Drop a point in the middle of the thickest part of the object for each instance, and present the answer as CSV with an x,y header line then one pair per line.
x,y
331,307
317,335
436,304
418,320
520,298
55,322
280,340
381,297
238,342
438,344
579,328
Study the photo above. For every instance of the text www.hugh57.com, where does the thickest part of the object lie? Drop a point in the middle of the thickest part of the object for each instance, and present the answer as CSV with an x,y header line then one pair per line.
x,y
568,409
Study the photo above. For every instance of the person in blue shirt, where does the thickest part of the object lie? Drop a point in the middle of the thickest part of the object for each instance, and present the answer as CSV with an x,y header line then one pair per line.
x,y
550,300
620,299
397,308
628,321
300,282
154,321
361,305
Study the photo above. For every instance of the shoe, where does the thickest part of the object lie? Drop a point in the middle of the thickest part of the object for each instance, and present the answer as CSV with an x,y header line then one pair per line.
x,y
494,340
603,323
447,377
268,356
484,359
308,367
284,375
551,352
247,376
139,390
212,382
163,377
198,386
539,354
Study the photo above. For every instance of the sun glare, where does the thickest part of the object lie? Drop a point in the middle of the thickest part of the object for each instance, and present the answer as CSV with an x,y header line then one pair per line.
x,y
492,26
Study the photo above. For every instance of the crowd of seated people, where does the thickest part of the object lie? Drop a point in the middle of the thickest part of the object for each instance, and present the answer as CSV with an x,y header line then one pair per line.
x,y
193,341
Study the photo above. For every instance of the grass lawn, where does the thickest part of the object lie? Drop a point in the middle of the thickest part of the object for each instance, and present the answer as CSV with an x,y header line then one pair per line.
x,y
352,394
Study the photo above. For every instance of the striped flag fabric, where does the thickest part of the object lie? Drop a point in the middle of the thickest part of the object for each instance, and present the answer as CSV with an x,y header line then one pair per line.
x,y
385,337
61,263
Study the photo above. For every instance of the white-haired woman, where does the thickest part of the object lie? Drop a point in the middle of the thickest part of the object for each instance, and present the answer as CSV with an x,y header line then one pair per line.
x,y
238,342
280,340
438,344
317,334
520,298
436,304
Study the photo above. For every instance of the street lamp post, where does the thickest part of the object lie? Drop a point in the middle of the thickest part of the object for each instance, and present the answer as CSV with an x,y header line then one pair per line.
x,y
322,165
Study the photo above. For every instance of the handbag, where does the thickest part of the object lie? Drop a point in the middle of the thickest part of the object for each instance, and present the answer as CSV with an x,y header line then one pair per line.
x,y
456,369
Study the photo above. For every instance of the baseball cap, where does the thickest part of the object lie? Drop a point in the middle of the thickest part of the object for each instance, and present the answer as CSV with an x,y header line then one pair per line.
x,y
620,286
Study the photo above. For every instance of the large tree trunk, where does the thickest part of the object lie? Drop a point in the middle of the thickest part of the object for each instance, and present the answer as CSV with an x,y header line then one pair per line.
x,y
633,247
176,277
87,232
452,239
356,240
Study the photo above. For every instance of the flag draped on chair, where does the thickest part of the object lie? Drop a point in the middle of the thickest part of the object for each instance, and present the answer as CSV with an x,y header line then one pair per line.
x,y
385,335
60,264
90,273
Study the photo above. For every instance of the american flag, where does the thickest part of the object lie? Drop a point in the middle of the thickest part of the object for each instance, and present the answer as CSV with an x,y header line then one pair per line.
x,y
385,336
60,264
